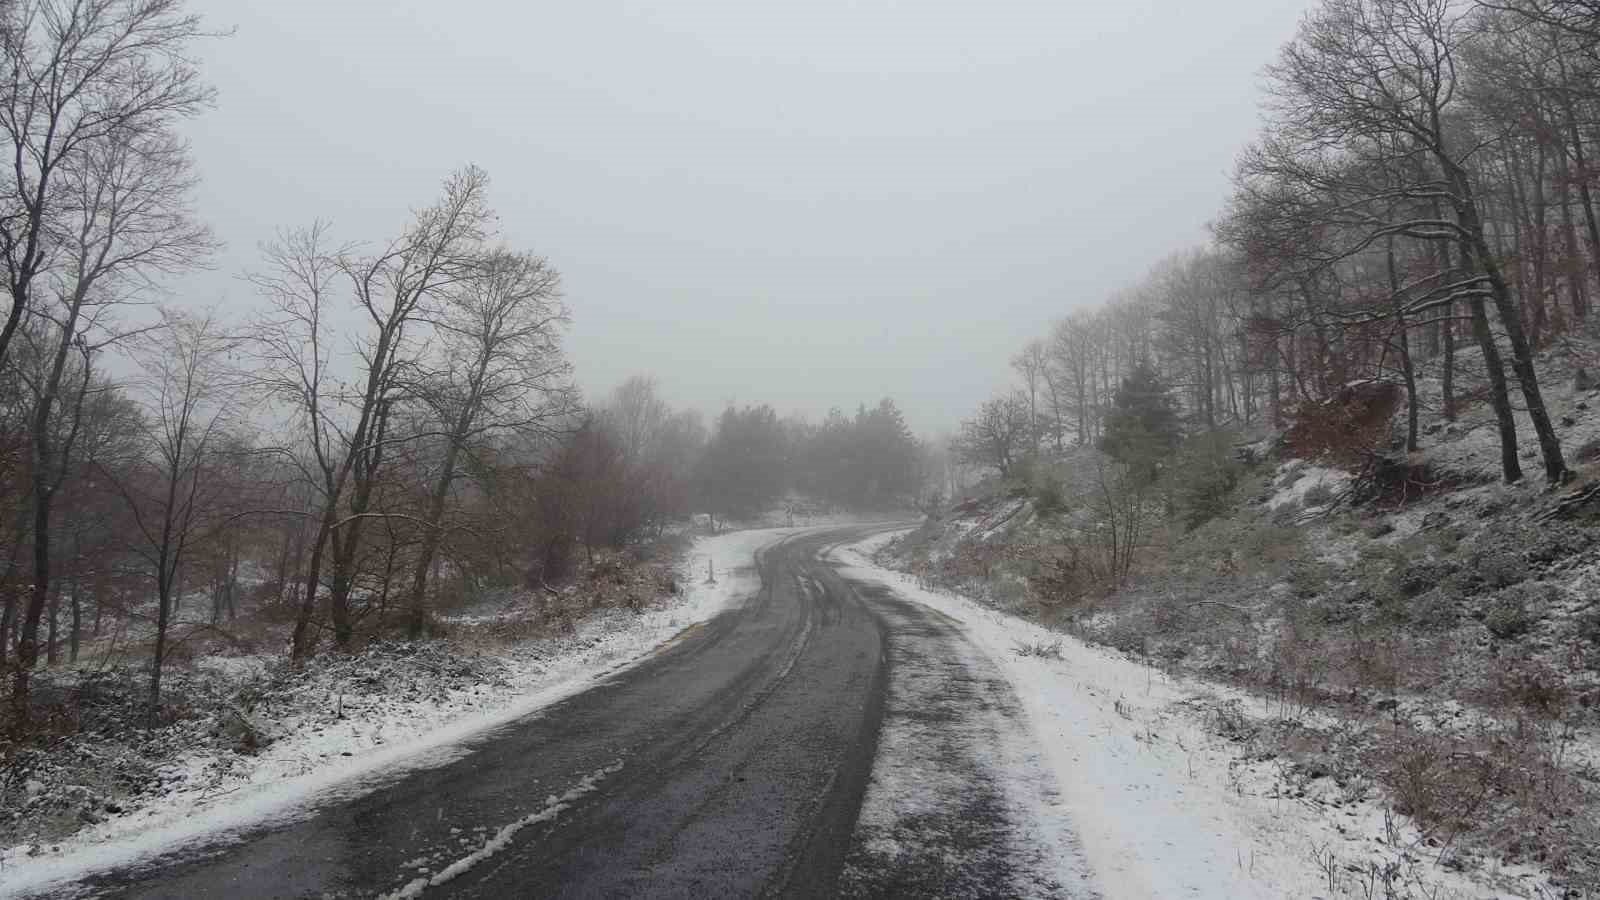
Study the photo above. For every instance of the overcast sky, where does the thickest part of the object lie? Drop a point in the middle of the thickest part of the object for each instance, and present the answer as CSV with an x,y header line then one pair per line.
x,y
804,203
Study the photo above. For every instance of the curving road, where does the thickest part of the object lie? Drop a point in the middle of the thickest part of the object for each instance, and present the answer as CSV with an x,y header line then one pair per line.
x,y
737,761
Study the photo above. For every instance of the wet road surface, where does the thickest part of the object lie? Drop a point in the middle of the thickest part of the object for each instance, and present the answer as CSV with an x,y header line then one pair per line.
x,y
733,762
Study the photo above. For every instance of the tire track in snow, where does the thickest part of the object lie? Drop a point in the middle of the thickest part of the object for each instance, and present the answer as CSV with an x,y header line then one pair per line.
x,y
958,804
553,807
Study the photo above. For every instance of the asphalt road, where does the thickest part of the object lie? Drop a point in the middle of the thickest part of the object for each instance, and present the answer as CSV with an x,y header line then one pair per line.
x,y
734,762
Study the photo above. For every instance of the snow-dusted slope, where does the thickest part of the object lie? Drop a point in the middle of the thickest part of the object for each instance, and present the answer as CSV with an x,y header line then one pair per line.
x,y
345,754
1162,805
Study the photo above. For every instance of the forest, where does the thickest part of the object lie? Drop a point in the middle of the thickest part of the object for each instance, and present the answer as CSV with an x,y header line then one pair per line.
x,y
1419,204
1290,539
1343,454
373,426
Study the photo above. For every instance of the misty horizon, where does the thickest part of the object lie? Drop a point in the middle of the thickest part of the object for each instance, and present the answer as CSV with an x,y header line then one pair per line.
x,y
828,206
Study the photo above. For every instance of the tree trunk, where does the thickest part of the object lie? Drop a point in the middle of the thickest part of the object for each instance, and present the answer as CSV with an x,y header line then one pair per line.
x,y
1521,223
54,626
232,595
1510,466
1522,364
8,614
163,614
368,463
416,603
1521,353
102,591
342,582
1538,313
1275,397
28,638
1448,377
1404,349
1083,404
1572,271
77,618
300,642
1447,333
1581,164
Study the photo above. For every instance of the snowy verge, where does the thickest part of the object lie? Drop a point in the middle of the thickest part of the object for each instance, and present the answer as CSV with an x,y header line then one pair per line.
x,y
343,752
1164,805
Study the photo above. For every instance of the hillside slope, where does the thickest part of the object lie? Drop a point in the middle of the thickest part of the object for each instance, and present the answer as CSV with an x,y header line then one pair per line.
x,y
1422,632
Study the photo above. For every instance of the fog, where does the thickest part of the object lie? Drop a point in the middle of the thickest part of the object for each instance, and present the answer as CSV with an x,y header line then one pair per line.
x,y
806,205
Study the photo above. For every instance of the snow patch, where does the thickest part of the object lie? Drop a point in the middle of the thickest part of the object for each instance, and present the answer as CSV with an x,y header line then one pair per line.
x,y
554,806
1161,805
337,756
1296,479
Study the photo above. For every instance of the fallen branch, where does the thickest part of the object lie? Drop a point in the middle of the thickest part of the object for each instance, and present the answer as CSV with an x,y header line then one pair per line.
x,y
1243,610
1570,504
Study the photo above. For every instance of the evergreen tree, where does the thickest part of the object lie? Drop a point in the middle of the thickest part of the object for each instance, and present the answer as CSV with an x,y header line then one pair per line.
x,y
885,455
745,466
1141,428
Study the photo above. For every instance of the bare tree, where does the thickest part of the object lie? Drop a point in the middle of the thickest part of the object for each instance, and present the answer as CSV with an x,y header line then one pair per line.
x,y
504,370
396,290
81,79
659,448
293,348
1031,364
1072,361
996,436
1372,83
1120,509
170,491
130,221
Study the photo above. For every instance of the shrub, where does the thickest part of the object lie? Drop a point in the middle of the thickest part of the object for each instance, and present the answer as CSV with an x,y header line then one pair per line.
x,y
1447,540
1048,497
1040,649
1023,474
1508,614
1204,475
1498,569
1287,514
1531,685
1264,543
1390,608
1418,772
1292,474
1587,627
1379,557
1436,610
1319,494
1008,593
1420,577
1308,578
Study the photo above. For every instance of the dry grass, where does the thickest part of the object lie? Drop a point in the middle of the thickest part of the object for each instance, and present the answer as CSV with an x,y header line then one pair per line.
x,y
1461,667
1040,649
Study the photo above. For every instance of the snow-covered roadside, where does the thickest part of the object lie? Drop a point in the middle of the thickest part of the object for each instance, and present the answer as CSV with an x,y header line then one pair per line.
x,y
361,748
959,802
1162,804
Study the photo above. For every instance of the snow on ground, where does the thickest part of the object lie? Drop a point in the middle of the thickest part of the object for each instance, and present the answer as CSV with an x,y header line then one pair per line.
x,y
554,806
958,794
356,750
1162,805
1296,479
1001,518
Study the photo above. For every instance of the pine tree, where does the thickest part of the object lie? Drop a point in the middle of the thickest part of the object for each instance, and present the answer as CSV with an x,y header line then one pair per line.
x,y
1141,429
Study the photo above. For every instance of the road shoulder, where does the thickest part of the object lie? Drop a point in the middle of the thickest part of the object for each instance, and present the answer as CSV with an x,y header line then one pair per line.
x,y
1163,804
337,747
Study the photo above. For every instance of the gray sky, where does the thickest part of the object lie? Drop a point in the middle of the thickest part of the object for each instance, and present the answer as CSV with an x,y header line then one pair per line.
x,y
802,203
